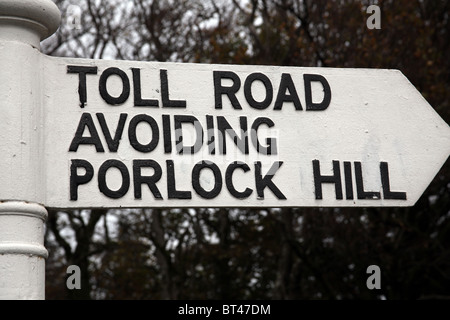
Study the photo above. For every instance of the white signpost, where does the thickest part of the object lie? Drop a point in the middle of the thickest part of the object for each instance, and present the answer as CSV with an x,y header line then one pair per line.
x,y
141,134
80,133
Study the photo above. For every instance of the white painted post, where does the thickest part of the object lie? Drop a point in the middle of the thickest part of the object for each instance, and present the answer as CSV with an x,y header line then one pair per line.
x,y
23,24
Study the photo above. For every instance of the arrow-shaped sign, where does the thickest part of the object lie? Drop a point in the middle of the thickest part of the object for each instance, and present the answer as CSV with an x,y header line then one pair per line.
x,y
140,134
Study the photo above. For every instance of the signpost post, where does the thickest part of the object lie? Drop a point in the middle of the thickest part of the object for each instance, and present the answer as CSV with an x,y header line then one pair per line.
x,y
23,24
81,133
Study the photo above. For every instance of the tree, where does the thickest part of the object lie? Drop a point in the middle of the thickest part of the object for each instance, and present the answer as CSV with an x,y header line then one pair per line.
x,y
78,249
263,253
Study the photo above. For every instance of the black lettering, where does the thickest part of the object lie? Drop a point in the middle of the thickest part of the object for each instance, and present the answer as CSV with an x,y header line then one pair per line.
x,y
286,83
132,133
172,192
348,180
387,193
196,179
248,90
103,187
94,139
266,181
181,149
319,179
230,92
138,101
104,91
229,180
210,133
310,105
166,102
82,72
225,128
75,179
150,181
113,144
270,142
362,194
166,133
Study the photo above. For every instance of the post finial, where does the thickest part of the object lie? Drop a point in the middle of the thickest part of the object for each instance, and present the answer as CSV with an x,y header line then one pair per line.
x,y
28,20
